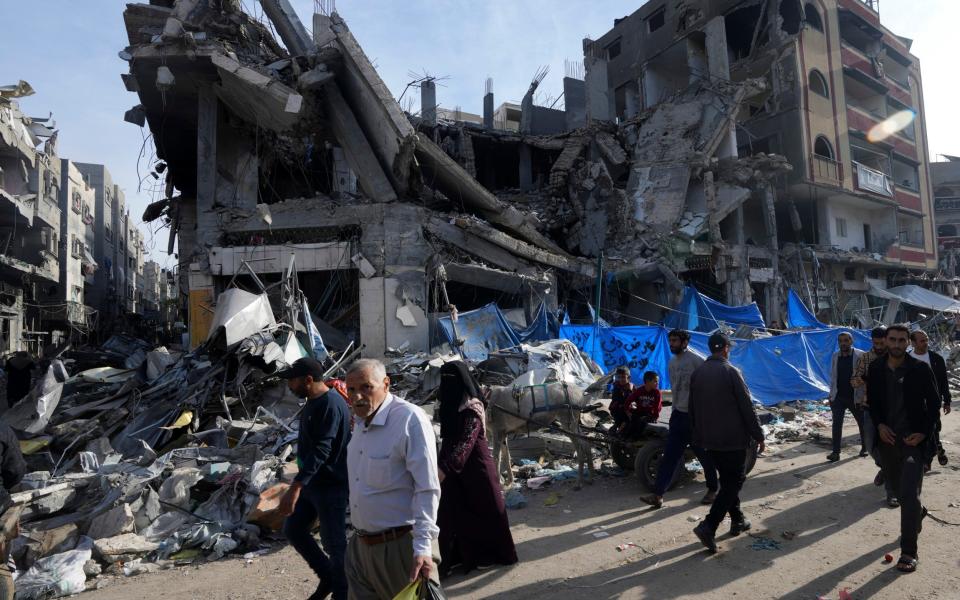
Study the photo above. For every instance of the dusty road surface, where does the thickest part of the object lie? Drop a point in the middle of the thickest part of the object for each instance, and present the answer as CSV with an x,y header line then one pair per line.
x,y
837,524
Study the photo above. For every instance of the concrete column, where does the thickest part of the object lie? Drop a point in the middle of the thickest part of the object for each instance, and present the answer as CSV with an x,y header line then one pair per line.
x,y
207,221
718,61
599,101
697,61
526,168
428,102
575,102
488,111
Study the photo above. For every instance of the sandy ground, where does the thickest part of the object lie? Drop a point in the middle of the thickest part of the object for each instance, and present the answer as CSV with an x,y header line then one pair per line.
x,y
841,530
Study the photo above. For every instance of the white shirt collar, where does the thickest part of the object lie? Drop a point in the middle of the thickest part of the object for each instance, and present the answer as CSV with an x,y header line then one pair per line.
x,y
380,419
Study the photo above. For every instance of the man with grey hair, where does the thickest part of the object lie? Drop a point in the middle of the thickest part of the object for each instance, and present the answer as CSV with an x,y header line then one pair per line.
x,y
841,392
394,488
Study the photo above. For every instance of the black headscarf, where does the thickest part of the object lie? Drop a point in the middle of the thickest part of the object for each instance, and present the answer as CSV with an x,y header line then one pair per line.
x,y
455,383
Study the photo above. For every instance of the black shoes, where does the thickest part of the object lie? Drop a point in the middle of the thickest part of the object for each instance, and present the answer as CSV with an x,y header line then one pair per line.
x,y
833,456
942,457
738,527
879,479
706,537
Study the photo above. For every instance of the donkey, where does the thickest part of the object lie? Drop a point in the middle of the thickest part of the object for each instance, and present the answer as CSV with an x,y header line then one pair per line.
x,y
518,408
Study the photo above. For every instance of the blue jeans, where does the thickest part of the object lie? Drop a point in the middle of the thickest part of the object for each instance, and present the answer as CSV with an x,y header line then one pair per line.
x,y
329,506
678,438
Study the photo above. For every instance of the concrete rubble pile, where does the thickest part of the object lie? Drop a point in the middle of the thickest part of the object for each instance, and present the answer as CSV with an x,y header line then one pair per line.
x,y
158,457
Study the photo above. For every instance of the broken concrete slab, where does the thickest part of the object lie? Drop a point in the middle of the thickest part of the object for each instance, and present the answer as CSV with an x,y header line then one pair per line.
x,y
127,544
116,521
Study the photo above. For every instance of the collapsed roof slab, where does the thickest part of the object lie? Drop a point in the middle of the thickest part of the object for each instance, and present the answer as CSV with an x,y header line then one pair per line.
x,y
256,97
658,194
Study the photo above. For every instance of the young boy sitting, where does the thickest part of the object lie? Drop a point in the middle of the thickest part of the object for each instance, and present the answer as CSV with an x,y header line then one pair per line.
x,y
643,406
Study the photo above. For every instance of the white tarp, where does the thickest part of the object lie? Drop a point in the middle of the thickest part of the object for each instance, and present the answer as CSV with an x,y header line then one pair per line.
x,y
241,314
32,414
915,295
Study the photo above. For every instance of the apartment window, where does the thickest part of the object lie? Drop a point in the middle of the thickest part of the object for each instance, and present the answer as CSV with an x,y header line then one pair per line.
x,y
107,197
77,202
77,293
818,84
54,243
76,247
614,49
87,214
813,16
823,148
108,233
657,20
841,227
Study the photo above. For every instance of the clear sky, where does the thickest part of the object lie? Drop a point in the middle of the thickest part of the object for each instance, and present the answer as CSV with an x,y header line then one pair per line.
x,y
67,50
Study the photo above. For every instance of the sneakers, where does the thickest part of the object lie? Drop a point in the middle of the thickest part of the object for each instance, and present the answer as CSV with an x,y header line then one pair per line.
x,y
863,452
706,537
709,497
833,456
892,502
738,527
879,479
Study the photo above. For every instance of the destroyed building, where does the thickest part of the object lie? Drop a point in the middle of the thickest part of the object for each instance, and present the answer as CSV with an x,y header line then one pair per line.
x,y
946,191
29,220
857,207
723,144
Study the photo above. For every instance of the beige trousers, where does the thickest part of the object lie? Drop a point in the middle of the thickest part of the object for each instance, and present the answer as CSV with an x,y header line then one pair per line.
x,y
379,572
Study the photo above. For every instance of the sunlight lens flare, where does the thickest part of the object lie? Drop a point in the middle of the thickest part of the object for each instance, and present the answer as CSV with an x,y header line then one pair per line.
x,y
891,125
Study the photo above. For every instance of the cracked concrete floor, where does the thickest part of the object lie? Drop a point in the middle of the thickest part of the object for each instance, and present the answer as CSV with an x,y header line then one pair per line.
x,y
838,525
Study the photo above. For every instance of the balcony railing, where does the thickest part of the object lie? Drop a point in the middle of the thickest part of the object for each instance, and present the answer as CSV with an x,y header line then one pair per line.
x,y
871,180
826,168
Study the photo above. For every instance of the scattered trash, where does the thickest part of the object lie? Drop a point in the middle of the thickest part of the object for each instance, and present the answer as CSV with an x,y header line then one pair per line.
x,y
535,483
788,535
888,558
694,518
514,499
600,534
551,500
623,547
765,543
845,594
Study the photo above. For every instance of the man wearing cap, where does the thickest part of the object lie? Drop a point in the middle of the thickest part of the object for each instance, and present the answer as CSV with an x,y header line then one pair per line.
x,y
394,488
319,491
725,425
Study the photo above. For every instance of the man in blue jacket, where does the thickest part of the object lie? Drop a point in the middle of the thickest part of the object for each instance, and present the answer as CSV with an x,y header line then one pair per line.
x,y
320,490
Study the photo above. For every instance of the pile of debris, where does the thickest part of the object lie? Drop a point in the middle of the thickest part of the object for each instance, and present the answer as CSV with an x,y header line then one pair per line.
x,y
155,456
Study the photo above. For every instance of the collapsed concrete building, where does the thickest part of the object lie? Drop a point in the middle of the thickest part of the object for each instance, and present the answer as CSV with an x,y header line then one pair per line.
x,y
679,157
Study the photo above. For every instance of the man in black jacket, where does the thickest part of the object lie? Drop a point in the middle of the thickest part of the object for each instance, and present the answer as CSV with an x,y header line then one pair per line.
x,y
921,351
725,425
905,405
320,489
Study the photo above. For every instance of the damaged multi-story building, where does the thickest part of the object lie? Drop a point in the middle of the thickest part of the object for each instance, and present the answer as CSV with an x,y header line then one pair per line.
x,y
694,146
842,100
29,221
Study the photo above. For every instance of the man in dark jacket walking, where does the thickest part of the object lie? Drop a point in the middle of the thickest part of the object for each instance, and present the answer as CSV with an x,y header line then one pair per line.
x,y
921,351
905,405
320,490
725,425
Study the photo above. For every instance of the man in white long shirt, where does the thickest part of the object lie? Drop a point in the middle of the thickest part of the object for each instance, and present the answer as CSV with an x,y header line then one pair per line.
x,y
394,488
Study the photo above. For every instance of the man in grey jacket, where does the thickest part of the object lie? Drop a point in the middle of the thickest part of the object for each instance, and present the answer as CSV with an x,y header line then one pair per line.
x,y
841,392
725,425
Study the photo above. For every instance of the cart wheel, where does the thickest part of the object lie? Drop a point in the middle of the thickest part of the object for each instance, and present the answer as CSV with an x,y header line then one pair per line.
x,y
648,462
623,454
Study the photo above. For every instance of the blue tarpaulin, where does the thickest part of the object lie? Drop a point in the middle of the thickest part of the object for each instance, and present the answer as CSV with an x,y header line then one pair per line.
x,y
486,330
697,312
799,316
785,368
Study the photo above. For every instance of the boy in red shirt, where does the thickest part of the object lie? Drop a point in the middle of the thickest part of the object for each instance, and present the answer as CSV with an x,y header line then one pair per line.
x,y
643,406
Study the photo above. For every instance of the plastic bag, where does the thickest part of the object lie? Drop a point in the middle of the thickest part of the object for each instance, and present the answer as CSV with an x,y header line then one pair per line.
x,y
421,590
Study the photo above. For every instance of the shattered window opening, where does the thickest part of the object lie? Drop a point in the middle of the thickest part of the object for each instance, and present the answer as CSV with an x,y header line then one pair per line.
x,y
818,84
791,16
823,148
813,17
657,20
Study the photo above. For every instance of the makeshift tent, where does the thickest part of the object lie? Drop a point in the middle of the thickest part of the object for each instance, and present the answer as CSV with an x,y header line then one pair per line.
x,y
486,330
915,295
785,368
697,312
799,316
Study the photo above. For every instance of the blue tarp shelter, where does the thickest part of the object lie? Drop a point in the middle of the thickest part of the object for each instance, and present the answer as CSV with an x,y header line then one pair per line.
x,y
697,312
785,368
486,330
799,316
